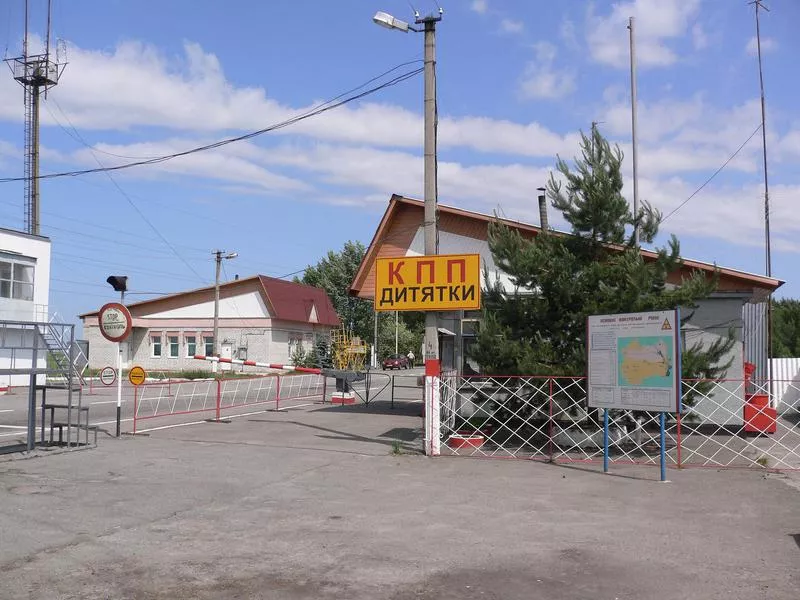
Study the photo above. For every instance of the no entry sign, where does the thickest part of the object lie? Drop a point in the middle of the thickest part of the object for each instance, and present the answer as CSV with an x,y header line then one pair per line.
x,y
115,322
108,376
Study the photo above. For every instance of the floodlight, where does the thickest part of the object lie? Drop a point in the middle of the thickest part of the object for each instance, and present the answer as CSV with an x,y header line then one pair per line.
x,y
386,20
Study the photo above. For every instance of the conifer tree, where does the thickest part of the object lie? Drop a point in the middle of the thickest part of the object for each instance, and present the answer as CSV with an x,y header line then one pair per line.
x,y
538,327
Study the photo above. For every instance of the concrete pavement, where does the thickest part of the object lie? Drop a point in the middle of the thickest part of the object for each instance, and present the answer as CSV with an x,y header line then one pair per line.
x,y
313,503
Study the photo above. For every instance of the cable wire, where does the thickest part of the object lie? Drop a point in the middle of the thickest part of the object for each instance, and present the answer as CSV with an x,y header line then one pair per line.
x,y
317,110
717,172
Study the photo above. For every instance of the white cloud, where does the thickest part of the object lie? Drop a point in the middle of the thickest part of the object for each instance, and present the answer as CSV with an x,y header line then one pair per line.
x,y
768,44
541,80
479,6
699,37
511,26
656,23
568,33
143,89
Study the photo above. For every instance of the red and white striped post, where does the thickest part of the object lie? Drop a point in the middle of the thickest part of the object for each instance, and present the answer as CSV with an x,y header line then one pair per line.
x,y
135,406
278,394
219,397
253,363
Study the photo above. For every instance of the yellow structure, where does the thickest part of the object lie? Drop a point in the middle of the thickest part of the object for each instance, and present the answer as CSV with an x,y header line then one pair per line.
x,y
348,352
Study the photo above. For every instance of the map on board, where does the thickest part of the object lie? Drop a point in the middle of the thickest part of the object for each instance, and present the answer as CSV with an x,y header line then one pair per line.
x,y
645,361
634,361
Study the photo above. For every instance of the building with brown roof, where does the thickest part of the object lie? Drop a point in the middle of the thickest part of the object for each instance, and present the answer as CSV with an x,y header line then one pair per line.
x,y
260,318
737,303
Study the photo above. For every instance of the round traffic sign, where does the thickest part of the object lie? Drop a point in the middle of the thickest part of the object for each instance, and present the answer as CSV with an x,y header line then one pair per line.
x,y
108,376
115,322
137,376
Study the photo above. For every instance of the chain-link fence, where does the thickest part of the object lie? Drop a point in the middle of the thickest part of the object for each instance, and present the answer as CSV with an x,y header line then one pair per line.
x,y
722,424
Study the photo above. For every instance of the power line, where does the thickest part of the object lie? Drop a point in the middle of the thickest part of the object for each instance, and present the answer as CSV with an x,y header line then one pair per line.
x,y
319,109
717,172
133,204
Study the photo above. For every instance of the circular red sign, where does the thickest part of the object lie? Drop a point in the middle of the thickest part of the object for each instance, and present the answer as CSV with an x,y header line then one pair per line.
x,y
115,322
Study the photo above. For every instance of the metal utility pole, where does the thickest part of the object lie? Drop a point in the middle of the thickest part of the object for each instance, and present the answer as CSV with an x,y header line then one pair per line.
x,y
431,210
767,242
36,73
218,256
634,124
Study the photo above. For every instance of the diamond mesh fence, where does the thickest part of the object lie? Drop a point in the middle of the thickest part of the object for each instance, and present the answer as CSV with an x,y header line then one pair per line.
x,y
722,423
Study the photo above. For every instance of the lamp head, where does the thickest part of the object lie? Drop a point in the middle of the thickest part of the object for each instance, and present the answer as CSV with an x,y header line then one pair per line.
x,y
118,282
389,22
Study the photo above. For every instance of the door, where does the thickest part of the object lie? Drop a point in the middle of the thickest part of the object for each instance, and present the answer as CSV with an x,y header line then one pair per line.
x,y
226,351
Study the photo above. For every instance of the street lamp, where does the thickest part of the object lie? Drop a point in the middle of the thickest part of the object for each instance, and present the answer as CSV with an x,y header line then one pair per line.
x,y
431,244
120,284
218,256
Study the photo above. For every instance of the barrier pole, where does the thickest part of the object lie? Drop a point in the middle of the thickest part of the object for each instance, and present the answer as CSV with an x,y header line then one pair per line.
x,y
605,440
278,394
324,388
663,448
219,396
678,417
135,406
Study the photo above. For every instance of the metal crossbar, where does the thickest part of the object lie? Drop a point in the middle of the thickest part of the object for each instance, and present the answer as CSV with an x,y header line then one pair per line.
x,y
724,423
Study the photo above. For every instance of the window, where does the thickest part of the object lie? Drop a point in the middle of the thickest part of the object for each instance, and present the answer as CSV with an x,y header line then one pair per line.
x,y
208,341
173,346
155,344
16,281
191,345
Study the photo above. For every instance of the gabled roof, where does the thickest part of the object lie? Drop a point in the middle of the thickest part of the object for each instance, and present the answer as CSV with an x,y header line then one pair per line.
x,y
286,300
404,216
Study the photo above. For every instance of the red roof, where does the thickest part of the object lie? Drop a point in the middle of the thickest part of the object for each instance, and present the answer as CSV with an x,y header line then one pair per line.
x,y
294,301
287,301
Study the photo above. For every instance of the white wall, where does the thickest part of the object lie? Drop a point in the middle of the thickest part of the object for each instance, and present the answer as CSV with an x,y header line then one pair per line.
x,y
243,306
451,243
38,249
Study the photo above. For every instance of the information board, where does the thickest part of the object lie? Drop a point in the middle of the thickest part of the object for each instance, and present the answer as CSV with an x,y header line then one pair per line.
x,y
634,361
441,282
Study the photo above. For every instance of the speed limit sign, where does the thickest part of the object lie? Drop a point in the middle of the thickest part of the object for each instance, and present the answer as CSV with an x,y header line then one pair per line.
x,y
108,376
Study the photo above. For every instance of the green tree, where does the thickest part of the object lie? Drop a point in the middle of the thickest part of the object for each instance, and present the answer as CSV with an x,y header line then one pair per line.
x,y
539,326
786,328
334,273
408,337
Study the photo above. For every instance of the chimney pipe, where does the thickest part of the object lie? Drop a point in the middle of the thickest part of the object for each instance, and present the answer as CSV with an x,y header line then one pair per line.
x,y
542,209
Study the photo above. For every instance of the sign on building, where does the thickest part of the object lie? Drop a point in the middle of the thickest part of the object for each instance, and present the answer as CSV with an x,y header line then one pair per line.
x,y
634,361
441,282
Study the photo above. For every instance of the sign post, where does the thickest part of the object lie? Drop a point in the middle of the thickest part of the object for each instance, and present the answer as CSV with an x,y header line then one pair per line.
x,y
634,364
116,325
443,282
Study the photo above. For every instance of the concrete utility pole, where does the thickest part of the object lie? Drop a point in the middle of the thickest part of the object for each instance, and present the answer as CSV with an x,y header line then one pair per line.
x,y
431,192
634,125
218,256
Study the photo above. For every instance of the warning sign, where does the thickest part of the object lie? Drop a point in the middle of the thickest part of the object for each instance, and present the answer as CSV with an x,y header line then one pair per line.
x,y
666,326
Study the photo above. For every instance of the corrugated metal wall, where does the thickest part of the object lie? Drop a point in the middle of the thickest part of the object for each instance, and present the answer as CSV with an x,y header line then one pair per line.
x,y
754,333
785,382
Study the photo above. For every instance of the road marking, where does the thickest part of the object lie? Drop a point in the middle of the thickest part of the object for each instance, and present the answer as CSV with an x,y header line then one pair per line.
x,y
106,402
169,426
14,426
7,410
110,422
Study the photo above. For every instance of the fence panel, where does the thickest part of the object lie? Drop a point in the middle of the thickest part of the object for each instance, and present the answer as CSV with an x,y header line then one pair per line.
x,y
721,424
212,398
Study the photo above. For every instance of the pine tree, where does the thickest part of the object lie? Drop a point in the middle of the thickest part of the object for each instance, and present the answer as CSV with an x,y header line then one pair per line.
x,y
539,326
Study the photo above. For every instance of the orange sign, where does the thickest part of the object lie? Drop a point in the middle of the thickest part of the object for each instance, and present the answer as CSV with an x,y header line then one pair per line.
x,y
441,282
137,376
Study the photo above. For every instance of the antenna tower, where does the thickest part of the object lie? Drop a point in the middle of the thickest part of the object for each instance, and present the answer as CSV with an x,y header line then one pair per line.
x,y
37,73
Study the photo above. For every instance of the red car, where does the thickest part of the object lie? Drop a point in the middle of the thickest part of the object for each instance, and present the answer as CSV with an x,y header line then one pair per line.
x,y
396,361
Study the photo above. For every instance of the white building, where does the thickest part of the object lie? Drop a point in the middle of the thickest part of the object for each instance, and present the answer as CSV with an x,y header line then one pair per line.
x,y
24,296
260,318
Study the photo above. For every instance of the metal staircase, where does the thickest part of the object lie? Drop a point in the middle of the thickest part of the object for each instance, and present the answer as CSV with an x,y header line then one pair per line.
x,y
65,353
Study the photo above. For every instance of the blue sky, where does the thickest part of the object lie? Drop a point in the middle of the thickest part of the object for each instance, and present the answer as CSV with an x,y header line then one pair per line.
x,y
517,81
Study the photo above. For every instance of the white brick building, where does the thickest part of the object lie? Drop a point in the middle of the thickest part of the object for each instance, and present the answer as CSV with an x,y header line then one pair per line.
x,y
24,293
260,318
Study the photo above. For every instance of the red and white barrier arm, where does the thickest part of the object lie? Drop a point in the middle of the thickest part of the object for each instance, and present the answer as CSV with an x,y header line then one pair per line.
x,y
252,363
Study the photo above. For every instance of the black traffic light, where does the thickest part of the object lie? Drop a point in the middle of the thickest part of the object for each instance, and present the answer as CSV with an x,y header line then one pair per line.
x,y
118,282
